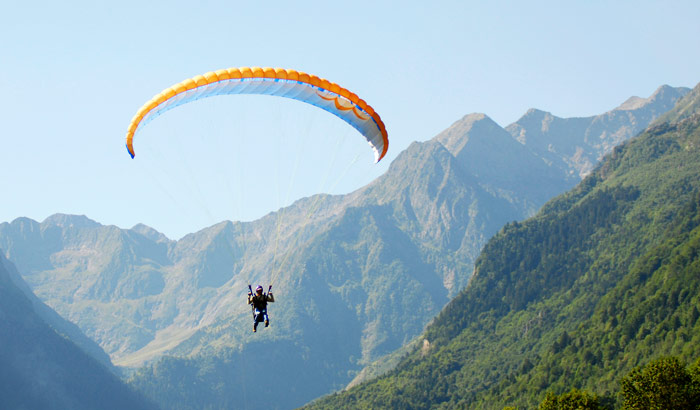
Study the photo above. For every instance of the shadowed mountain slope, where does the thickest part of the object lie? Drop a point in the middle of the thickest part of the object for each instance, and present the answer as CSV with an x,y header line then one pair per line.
x,y
42,369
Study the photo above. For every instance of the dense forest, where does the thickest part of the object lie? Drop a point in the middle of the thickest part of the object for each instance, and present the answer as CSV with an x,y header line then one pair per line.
x,y
603,281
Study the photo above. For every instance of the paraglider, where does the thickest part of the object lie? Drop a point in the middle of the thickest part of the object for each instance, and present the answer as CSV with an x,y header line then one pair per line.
x,y
258,302
277,82
270,81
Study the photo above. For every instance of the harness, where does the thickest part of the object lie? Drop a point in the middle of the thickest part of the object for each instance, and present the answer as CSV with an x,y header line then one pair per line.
x,y
259,304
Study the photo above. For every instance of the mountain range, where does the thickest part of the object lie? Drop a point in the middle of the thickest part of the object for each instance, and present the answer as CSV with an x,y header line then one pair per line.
x,y
603,280
356,276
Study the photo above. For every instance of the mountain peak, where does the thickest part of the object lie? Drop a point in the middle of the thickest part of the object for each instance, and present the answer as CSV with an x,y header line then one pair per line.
x,y
65,221
632,103
687,106
532,119
473,117
149,233
535,113
456,137
662,94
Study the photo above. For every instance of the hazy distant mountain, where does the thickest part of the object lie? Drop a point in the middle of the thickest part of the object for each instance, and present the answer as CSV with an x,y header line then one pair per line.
x,y
502,165
43,369
356,275
605,278
575,145
53,319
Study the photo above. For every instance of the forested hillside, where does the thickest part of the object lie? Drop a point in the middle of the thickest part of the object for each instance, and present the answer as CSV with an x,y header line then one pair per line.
x,y
604,279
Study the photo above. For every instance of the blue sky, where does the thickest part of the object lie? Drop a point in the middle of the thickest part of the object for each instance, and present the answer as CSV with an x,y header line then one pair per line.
x,y
74,73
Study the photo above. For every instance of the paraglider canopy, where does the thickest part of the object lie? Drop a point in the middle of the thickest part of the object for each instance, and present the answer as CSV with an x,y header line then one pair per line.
x,y
270,81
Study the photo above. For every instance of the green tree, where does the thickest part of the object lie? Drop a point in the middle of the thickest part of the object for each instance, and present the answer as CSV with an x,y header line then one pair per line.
x,y
662,384
573,400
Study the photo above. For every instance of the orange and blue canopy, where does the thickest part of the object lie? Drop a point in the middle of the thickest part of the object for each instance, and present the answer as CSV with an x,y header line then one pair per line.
x,y
269,81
